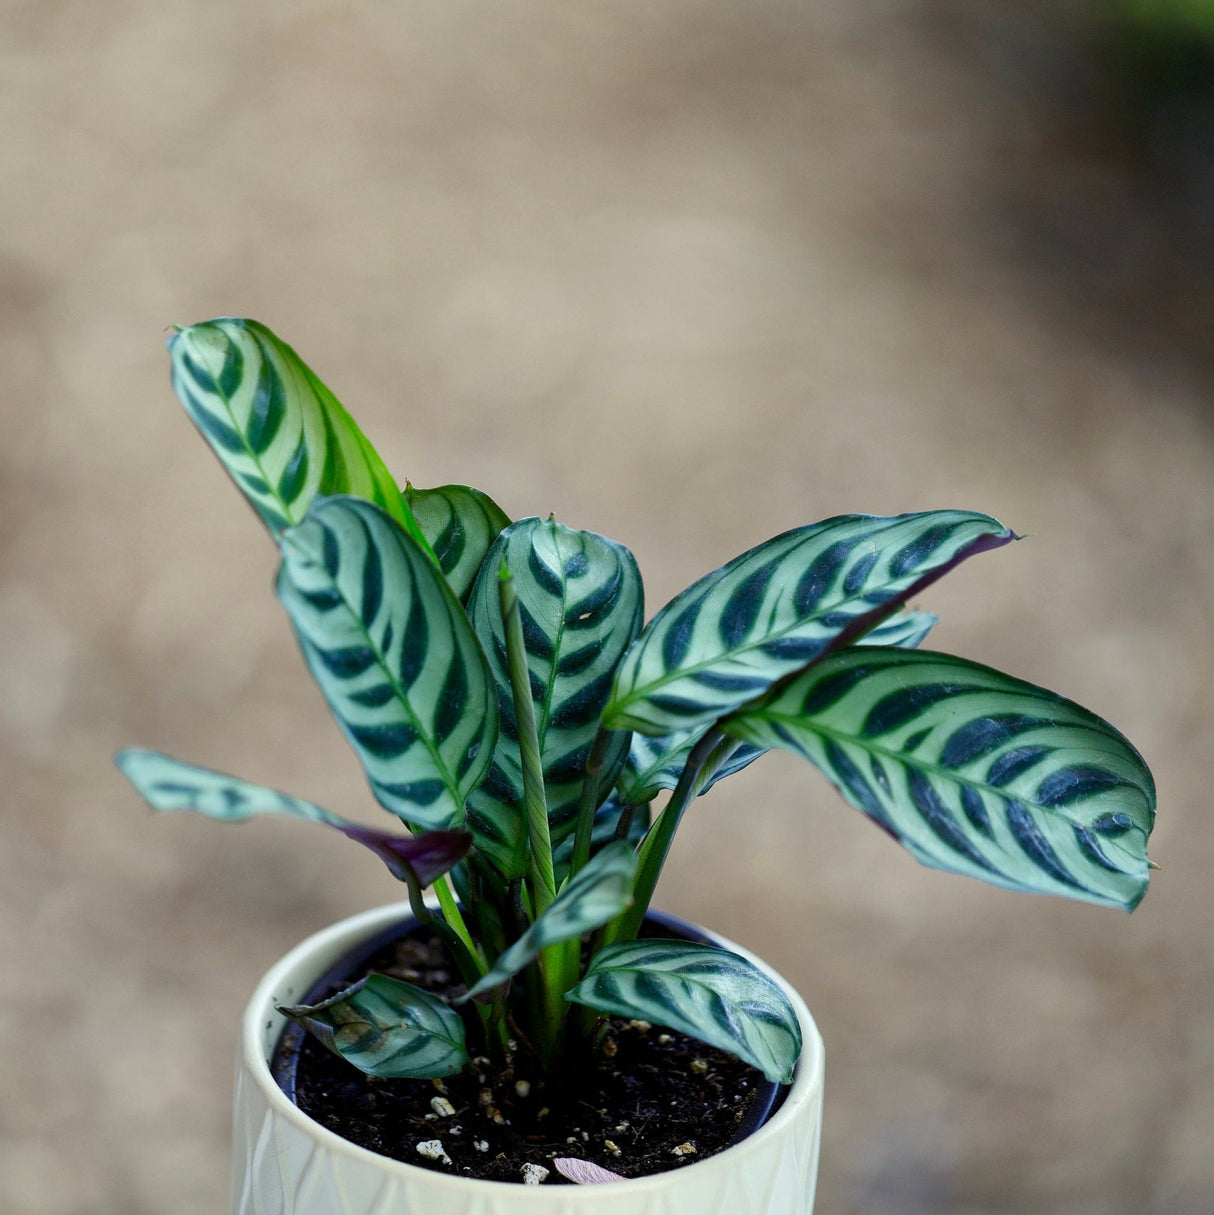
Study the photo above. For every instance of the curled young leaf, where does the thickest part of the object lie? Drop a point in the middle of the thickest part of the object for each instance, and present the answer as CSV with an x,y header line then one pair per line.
x,y
461,523
387,1028
281,434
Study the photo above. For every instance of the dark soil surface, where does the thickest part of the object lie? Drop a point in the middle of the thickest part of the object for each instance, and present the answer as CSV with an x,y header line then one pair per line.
x,y
647,1100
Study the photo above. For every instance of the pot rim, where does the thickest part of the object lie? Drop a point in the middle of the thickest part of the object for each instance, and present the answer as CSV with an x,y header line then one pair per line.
x,y
262,1023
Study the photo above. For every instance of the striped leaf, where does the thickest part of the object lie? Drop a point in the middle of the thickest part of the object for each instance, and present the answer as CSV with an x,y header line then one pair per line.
x,y
169,784
657,763
709,993
387,1028
971,770
461,524
775,609
281,434
395,657
580,599
598,892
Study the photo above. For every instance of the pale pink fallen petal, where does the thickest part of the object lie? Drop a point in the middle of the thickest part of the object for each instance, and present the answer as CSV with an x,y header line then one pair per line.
x,y
584,1172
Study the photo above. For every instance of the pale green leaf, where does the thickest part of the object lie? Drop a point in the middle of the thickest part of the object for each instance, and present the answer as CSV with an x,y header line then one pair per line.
x,y
461,524
775,609
388,1028
700,990
394,655
973,771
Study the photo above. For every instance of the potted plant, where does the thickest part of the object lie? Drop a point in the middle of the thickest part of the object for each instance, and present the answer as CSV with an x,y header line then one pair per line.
x,y
518,718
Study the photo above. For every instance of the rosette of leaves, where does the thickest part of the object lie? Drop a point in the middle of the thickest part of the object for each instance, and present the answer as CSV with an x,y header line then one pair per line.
x,y
538,745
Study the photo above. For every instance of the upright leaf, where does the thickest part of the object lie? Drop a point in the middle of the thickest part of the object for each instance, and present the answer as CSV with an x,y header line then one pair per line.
x,y
281,434
169,784
461,524
598,892
387,1028
971,770
579,598
773,610
701,990
395,657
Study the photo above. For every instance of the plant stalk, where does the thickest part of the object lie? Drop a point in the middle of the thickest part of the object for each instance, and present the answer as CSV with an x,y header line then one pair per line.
x,y
590,800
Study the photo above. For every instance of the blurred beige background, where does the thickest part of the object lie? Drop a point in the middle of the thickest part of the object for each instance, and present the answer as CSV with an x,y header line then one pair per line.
x,y
686,273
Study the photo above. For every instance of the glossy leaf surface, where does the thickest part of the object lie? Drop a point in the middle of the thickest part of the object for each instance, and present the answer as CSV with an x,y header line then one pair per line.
x,y
283,437
394,655
388,1028
461,524
973,771
727,638
579,598
709,993
597,893
169,784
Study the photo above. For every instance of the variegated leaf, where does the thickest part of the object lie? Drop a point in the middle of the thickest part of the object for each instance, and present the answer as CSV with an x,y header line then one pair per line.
x,y
461,524
971,770
395,657
281,434
168,784
701,990
387,1028
773,610
598,892
656,763
580,602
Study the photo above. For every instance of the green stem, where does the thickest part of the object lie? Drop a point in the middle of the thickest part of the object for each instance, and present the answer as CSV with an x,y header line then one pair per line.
x,y
455,921
590,800
701,763
535,806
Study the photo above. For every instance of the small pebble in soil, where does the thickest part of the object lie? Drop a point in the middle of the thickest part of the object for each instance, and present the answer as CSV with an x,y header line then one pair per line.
x,y
699,1066
642,1027
664,1039
481,1145
684,1149
612,1148
610,1048
522,1087
534,1174
433,1149
442,1107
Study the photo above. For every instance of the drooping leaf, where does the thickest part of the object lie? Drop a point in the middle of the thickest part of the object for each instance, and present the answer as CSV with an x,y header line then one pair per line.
x,y
168,784
461,524
773,610
281,434
701,990
598,892
657,763
395,657
579,598
973,771
387,1028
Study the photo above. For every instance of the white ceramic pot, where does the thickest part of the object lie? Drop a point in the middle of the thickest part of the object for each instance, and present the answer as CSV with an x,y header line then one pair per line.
x,y
286,1164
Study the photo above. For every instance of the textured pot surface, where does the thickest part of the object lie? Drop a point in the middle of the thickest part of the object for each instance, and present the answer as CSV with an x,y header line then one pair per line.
x,y
286,1164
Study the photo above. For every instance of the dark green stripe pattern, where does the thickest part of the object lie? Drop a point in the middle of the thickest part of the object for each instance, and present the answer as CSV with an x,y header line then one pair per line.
x,y
461,523
169,784
281,434
711,994
394,655
775,609
388,1028
580,600
973,771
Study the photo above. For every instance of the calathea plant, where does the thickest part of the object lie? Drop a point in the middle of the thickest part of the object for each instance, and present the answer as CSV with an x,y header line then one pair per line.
x,y
517,718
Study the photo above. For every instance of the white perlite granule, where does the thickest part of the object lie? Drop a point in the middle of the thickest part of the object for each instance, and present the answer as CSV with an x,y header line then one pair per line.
x,y
533,1174
433,1149
442,1107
